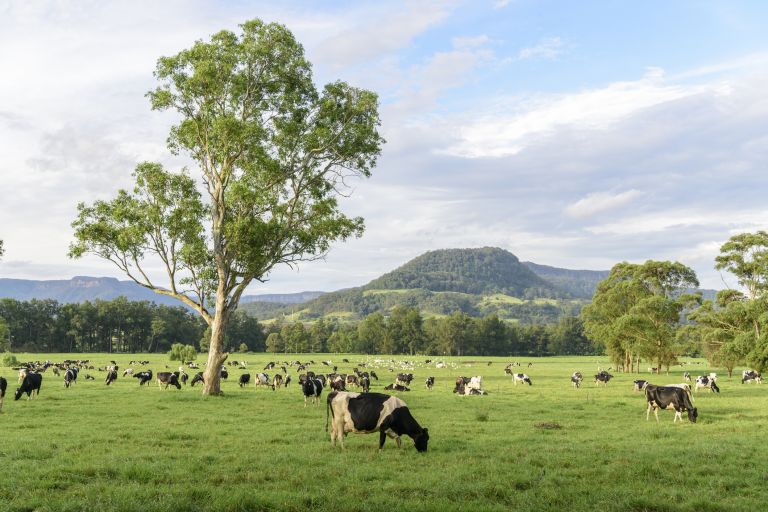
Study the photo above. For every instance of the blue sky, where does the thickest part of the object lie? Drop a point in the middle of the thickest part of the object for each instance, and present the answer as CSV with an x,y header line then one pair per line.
x,y
574,134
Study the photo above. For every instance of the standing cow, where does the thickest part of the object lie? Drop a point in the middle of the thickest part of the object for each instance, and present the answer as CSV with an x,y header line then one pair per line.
x,y
3,387
312,389
70,377
365,413
30,385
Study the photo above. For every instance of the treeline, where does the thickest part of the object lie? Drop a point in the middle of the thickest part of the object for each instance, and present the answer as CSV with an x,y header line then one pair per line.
x,y
117,325
121,325
405,331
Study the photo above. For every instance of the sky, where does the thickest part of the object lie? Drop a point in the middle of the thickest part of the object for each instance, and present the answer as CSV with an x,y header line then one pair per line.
x,y
573,134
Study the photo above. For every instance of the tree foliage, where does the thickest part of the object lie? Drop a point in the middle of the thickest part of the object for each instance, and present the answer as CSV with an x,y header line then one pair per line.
x,y
272,155
636,311
181,352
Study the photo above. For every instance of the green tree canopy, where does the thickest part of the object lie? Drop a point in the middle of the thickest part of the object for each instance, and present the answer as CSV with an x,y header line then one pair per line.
x,y
272,155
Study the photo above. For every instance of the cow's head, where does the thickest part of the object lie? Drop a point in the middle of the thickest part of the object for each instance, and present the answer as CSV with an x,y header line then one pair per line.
x,y
693,414
18,394
420,440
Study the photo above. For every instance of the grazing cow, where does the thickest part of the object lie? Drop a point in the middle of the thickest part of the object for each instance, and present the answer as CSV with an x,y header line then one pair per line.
x,y
373,375
127,371
23,373
70,377
30,385
365,384
687,376
603,377
3,387
706,382
337,383
576,379
372,412
88,376
430,382
396,387
183,377
321,378
144,377
751,375
312,388
261,379
277,380
287,380
197,378
521,377
111,377
639,385
244,380
461,382
667,397
404,379
164,379
352,380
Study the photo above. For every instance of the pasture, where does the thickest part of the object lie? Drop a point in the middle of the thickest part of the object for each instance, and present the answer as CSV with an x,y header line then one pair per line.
x,y
543,447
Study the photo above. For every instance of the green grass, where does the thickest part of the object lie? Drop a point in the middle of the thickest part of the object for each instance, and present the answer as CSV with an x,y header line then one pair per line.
x,y
541,447
500,298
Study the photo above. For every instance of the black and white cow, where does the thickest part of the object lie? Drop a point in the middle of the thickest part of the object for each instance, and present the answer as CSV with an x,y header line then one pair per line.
x,y
277,381
639,385
30,385
404,379
365,384
576,378
396,387
751,375
374,376
165,379
365,413
70,377
603,377
312,389
669,397
705,381
287,380
197,378
143,377
111,377
183,377
261,379
3,387
521,377
430,382
687,376
244,380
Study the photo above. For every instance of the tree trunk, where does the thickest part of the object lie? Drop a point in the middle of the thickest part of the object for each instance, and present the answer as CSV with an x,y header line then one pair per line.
x,y
216,355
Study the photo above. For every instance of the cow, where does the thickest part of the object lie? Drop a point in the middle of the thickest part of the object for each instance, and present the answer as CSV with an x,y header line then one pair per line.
x,y
30,385
337,383
521,377
705,381
3,387
143,377
261,379
364,413
127,371
639,385
88,376
576,379
429,382
352,380
165,379
365,384
373,375
312,389
751,375
277,380
667,397
603,377
687,376
183,377
404,379
70,377
396,387
461,382
111,377
287,380
244,380
197,378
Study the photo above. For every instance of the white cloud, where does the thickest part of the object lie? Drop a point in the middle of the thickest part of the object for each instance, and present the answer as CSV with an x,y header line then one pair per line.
x,y
598,202
548,48
463,43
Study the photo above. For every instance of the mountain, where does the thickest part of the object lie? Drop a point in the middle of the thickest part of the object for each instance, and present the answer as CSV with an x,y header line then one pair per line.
x,y
577,283
80,289
477,282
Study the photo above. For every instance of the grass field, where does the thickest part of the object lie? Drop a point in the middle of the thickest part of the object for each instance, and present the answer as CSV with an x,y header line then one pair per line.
x,y
544,447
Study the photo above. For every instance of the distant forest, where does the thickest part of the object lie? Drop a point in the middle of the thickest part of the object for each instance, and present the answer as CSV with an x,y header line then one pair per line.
x,y
123,326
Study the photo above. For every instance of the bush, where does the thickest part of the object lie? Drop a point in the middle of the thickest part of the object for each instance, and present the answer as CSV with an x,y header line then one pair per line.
x,y
10,360
243,348
181,352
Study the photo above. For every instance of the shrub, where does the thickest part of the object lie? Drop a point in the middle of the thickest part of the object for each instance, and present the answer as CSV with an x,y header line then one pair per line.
x,y
10,360
243,348
181,352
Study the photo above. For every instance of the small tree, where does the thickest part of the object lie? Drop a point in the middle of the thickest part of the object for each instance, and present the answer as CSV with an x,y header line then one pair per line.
x,y
273,156
10,360
180,352
243,348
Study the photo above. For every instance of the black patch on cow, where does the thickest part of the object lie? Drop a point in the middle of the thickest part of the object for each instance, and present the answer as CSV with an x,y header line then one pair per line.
x,y
366,409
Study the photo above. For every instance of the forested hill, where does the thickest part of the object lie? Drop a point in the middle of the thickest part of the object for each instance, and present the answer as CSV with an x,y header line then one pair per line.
x,y
475,271
578,283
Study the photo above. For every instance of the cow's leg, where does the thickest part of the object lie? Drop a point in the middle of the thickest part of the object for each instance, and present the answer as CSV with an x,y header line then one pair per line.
x,y
305,401
382,438
648,412
656,413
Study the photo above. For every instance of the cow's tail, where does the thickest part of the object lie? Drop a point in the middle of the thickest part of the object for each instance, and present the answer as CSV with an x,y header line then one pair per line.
x,y
328,409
